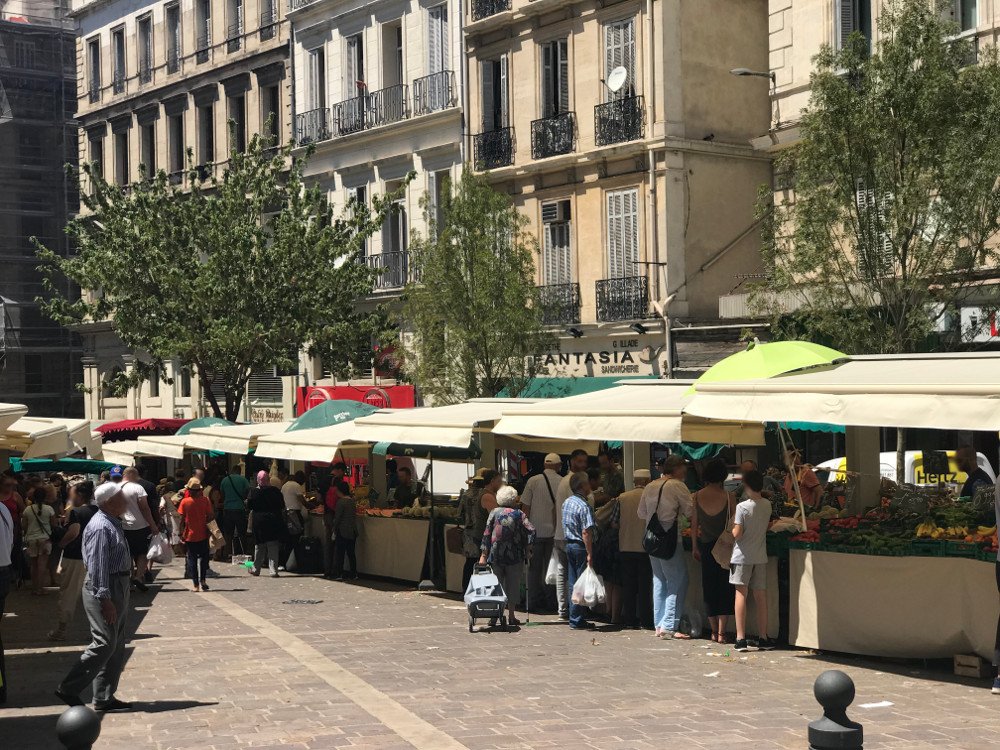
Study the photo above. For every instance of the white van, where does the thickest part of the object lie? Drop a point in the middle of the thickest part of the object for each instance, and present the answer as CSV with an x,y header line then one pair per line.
x,y
835,469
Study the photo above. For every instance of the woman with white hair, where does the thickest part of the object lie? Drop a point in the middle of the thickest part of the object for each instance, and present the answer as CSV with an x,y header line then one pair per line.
x,y
508,535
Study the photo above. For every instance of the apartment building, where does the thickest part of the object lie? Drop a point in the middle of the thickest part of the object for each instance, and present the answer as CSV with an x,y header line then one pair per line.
x,y
156,79
620,132
39,360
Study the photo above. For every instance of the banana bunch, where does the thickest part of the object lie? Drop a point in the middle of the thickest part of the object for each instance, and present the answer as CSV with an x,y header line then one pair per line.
x,y
930,530
986,530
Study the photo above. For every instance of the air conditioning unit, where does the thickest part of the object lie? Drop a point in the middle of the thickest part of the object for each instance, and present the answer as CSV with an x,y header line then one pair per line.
x,y
555,212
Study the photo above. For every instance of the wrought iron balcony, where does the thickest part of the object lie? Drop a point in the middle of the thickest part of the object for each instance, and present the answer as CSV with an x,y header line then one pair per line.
x,y
296,4
552,136
203,48
145,72
625,298
312,126
173,60
370,110
118,82
176,177
392,269
94,92
268,24
619,121
485,8
560,304
493,149
434,92
234,37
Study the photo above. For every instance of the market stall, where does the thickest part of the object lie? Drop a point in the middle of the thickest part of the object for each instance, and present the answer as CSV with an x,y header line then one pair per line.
x,y
237,439
37,438
10,413
392,547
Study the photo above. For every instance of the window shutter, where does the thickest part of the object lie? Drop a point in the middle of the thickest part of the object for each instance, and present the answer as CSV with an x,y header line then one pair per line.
x,y
623,233
630,226
563,47
548,95
628,56
616,258
619,50
486,79
848,20
504,103
437,38
351,68
557,265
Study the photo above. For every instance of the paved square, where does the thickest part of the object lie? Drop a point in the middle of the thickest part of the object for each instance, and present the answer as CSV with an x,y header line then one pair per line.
x,y
375,665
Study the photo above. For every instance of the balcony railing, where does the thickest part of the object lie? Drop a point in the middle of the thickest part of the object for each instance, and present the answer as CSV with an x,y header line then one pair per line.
x,y
493,149
392,269
94,92
118,82
485,8
552,136
560,304
622,299
203,48
268,24
312,126
619,121
296,4
370,110
176,177
145,72
234,37
434,92
173,60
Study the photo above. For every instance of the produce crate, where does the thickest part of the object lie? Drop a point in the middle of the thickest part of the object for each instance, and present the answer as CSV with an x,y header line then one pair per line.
x,y
963,549
887,552
809,546
987,556
927,548
777,545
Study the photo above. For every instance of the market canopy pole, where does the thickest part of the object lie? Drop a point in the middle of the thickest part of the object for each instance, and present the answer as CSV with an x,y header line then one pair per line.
x,y
790,465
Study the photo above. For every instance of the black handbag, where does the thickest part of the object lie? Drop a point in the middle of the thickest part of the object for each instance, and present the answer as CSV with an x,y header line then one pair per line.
x,y
657,541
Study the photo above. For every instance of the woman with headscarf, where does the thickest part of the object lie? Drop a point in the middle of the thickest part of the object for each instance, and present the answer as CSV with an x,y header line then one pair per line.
x,y
267,507
506,538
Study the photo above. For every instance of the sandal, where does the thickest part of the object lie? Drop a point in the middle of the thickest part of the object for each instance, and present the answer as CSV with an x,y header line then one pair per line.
x,y
679,636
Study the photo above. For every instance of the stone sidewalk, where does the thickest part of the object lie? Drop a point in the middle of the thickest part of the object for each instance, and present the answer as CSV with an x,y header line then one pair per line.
x,y
373,665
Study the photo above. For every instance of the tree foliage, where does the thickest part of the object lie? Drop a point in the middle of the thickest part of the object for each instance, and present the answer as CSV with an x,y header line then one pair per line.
x,y
474,313
225,275
892,219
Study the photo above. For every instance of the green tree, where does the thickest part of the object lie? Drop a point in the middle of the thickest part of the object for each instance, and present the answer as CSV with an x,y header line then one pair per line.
x,y
226,275
891,221
474,312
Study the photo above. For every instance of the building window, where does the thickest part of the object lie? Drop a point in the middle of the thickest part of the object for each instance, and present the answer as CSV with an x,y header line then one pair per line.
x,y
270,114
154,386
395,238
853,15
121,158
555,77
392,53
234,33
623,233
316,78
118,59
557,257
147,148
206,134
357,199
203,40
619,52
145,38
172,14
96,155
354,67
438,188
184,383
268,19
238,116
438,48
264,388
175,136
94,68
493,80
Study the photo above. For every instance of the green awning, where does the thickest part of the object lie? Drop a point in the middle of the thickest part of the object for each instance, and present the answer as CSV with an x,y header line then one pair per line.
x,y
427,451
562,387
202,422
814,427
72,465
328,413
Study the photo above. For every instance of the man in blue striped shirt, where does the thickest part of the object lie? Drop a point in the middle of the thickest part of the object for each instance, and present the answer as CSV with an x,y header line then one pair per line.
x,y
105,600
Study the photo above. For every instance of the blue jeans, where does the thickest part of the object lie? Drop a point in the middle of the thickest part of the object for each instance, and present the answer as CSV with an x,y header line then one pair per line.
x,y
576,563
670,584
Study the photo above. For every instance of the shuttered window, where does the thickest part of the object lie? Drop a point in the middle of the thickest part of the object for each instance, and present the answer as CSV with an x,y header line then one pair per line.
x,y
316,74
437,39
851,16
493,82
623,233
875,253
555,77
354,67
264,387
557,256
619,51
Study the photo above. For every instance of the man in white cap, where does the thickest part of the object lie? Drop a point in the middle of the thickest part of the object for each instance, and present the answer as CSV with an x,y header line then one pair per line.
x,y
105,600
539,503
636,573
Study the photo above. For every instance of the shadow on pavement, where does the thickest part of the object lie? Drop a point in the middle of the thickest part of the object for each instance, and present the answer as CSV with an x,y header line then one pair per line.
x,y
30,732
159,707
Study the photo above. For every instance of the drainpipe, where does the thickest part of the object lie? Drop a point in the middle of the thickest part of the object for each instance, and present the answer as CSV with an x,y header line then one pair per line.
x,y
662,308
463,65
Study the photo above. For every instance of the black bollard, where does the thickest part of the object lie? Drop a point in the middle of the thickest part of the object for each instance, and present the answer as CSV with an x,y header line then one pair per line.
x,y
835,692
78,728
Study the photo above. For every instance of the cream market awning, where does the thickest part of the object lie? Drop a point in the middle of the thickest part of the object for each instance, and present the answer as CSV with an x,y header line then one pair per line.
x,y
320,444
955,391
438,426
239,439
37,438
646,411
165,446
10,413
121,452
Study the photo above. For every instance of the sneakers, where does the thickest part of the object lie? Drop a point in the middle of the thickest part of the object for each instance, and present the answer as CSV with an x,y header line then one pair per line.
x,y
274,575
112,705
767,644
137,584
204,586
743,645
68,698
996,686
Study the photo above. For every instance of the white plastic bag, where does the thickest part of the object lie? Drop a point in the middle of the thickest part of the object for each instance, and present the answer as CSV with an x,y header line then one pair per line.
x,y
290,564
553,570
589,589
159,550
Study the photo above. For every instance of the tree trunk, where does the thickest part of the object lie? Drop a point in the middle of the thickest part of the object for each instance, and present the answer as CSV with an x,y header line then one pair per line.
x,y
206,387
900,455
233,403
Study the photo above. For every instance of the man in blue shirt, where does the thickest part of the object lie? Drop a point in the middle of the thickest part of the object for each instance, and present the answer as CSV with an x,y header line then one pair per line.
x,y
578,523
235,489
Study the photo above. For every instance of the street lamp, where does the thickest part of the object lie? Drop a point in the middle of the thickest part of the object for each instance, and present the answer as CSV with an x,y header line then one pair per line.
x,y
770,75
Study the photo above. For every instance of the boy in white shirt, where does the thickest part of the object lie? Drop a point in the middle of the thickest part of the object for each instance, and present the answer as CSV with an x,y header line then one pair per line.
x,y
748,566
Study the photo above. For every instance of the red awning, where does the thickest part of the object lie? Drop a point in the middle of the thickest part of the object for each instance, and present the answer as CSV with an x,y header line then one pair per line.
x,y
130,429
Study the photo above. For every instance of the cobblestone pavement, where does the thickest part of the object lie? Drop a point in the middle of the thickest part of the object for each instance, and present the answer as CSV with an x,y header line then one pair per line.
x,y
375,665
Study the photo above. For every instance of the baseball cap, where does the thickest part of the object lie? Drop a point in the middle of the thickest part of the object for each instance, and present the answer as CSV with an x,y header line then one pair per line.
x,y
116,472
641,474
553,458
105,492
